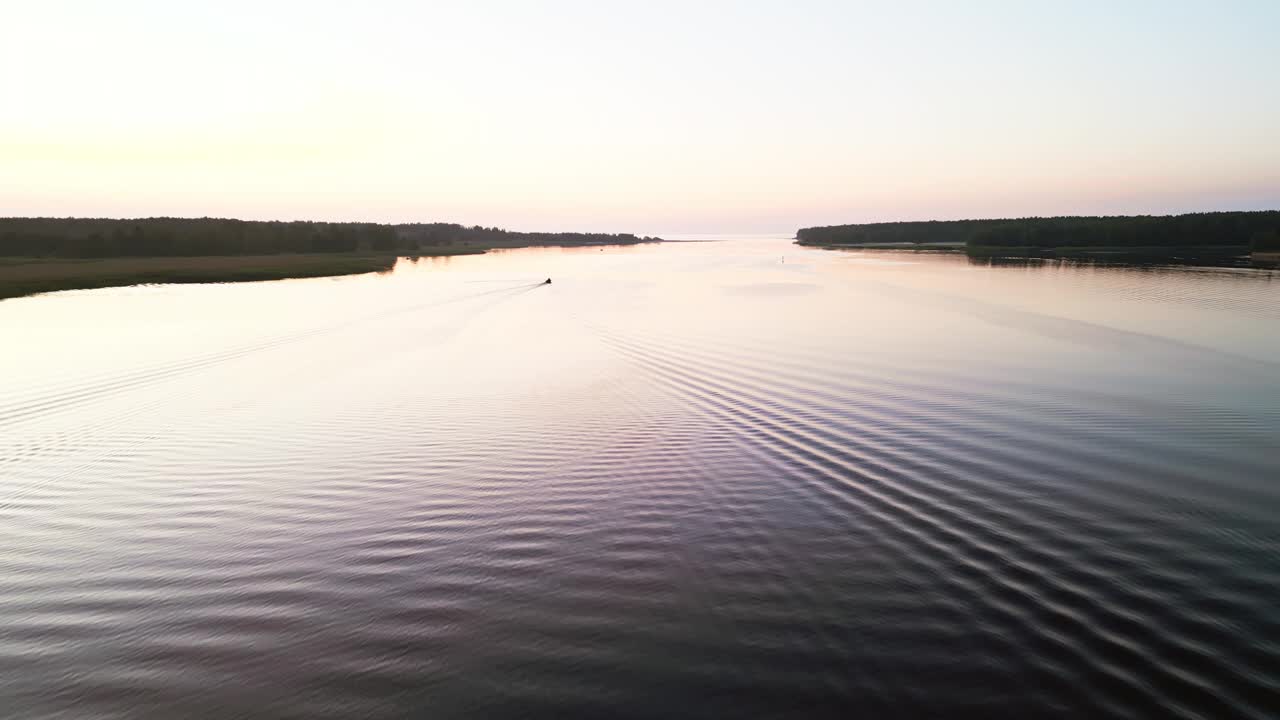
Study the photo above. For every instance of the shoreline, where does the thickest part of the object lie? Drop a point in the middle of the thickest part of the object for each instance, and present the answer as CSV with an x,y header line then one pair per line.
x,y
47,254
25,276
937,247
21,277
1220,238
1137,254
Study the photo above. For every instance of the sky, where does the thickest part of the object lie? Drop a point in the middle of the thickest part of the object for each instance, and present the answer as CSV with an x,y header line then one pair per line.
x,y
648,116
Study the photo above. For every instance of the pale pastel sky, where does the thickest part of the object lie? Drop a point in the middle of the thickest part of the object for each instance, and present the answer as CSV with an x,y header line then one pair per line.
x,y
646,116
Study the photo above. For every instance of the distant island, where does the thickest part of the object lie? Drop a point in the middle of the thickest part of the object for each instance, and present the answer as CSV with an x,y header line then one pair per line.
x,y
1196,235
45,254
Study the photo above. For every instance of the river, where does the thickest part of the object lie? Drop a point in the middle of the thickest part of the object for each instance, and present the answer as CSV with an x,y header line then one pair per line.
x,y
731,478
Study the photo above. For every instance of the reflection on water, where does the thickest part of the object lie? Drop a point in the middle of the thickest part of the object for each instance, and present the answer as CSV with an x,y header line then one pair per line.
x,y
1202,257
709,479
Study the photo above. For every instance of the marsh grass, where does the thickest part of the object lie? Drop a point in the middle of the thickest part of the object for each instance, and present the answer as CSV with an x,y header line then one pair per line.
x,y
27,276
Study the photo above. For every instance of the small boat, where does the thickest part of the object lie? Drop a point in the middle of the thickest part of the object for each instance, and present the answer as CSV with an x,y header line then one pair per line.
x,y
548,282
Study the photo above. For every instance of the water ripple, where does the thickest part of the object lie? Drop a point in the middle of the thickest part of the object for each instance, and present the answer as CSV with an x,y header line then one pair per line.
x,y
694,483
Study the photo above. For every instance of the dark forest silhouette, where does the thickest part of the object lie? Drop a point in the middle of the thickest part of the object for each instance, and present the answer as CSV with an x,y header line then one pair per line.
x,y
1259,231
169,237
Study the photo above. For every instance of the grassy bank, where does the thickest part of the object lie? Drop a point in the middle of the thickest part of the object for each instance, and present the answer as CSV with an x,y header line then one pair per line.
x,y
26,276
30,275
46,254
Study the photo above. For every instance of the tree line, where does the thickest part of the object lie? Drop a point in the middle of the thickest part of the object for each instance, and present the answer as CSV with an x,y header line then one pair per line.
x,y
164,236
1257,229
916,231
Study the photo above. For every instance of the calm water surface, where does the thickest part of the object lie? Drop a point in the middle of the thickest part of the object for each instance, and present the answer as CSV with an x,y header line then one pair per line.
x,y
715,479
